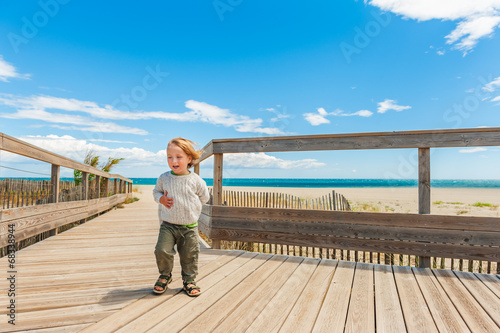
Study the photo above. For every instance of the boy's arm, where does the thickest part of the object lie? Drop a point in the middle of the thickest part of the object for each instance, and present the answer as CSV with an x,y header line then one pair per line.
x,y
158,190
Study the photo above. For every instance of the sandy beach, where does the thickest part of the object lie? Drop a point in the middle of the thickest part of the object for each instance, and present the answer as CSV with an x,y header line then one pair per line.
x,y
445,201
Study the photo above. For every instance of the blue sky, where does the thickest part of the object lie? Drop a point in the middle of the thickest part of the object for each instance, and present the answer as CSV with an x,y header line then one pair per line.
x,y
123,80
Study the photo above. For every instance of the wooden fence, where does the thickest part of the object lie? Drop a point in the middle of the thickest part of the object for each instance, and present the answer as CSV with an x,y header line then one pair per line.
x,y
36,209
331,201
460,240
29,192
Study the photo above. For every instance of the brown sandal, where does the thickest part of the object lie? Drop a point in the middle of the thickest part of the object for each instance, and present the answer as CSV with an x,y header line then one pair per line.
x,y
189,289
162,285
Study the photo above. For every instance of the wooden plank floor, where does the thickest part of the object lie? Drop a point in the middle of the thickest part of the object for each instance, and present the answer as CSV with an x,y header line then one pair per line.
x,y
98,278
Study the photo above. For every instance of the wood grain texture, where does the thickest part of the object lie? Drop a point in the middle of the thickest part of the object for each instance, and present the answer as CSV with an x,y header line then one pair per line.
x,y
471,223
333,313
353,229
248,310
424,191
482,294
417,316
361,316
361,244
217,187
424,181
224,307
389,316
277,310
491,281
470,310
305,311
444,313
392,140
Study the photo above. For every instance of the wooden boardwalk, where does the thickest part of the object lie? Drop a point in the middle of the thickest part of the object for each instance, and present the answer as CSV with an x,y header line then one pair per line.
x,y
98,278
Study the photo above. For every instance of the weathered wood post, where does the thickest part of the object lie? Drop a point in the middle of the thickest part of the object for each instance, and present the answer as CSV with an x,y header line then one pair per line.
x,y
197,169
217,189
115,185
54,193
424,192
98,186
85,185
54,182
106,187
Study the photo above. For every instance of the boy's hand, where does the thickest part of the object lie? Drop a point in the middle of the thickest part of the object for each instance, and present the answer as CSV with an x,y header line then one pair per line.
x,y
167,202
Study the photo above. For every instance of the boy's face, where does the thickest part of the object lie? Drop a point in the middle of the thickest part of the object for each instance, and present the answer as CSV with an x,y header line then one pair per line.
x,y
178,160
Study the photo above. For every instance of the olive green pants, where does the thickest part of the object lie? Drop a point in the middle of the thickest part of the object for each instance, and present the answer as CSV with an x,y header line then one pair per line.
x,y
188,247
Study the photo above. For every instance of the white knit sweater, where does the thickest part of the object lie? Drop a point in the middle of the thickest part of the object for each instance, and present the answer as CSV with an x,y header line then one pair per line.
x,y
189,192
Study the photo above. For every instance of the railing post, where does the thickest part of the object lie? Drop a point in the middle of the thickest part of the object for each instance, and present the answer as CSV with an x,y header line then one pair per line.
x,y
115,185
197,169
54,181
54,193
217,189
106,187
98,186
424,192
85,185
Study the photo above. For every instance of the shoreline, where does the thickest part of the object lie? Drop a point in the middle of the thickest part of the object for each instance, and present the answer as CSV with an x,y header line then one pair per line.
x,y
444,201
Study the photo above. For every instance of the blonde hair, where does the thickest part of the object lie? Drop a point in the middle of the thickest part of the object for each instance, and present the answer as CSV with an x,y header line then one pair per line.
x,y
188,147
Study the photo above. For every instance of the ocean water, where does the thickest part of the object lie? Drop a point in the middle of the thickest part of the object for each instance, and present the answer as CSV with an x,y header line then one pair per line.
x,y
311,183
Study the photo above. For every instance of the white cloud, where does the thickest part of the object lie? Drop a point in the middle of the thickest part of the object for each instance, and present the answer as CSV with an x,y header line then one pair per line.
x,y
440,52
322,112
315,119
261,160
361,113
213,114
8,71
493,85
110,141
319,118
390,104
76,149
476,19
496,99
472,150
467,33
40,108
280,114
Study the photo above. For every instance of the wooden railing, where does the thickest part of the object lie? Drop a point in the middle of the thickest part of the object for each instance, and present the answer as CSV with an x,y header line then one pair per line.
x,y
424,235
20,223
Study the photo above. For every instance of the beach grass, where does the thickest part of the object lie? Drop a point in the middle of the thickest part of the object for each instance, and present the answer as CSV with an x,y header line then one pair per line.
x,y
483,204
